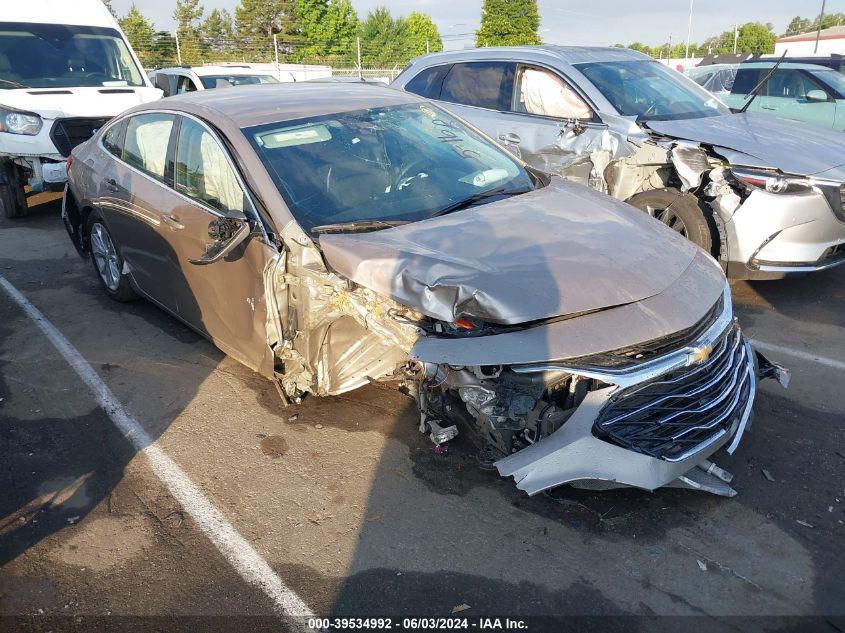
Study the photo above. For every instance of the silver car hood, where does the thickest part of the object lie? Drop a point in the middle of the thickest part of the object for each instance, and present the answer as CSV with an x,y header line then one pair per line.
x,y
560,250
793,147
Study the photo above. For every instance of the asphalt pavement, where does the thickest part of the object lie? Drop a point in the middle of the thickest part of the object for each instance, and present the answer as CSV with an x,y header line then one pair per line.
x,y
349,505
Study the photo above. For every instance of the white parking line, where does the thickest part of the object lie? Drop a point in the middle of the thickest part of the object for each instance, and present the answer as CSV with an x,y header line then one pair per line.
x,y
235,549
797,353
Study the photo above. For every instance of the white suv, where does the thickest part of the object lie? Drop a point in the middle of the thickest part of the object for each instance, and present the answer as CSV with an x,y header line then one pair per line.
x,y
65,69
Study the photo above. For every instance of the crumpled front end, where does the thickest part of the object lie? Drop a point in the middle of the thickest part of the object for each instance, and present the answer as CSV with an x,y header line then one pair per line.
x,y
647,416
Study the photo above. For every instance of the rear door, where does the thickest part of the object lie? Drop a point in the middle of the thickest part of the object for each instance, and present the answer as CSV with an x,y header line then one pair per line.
x,y
133,196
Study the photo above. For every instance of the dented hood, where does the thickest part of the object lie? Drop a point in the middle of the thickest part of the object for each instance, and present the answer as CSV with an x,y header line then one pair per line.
x,y
560,250
791,146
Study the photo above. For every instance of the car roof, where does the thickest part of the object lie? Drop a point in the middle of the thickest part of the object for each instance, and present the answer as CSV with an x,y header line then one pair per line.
x,y
78,12
246,106
786,65
565,54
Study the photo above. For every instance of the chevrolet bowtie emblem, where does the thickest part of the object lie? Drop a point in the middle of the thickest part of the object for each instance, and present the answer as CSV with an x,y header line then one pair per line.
x,y
699,354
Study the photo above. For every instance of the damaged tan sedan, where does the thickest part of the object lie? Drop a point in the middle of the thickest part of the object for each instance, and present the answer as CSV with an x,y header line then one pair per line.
x,y
328,236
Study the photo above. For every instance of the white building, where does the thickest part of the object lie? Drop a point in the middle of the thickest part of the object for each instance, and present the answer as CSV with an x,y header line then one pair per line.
x,y
831,41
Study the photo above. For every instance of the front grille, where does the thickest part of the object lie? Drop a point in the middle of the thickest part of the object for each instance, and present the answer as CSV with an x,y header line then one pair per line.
x,y
68,133
674,415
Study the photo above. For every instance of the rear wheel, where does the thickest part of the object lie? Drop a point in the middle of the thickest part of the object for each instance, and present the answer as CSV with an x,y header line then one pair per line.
x,y
12,195
107,262
681,212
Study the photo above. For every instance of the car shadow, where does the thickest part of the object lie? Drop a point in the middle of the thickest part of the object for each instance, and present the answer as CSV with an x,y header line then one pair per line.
x,y
57,468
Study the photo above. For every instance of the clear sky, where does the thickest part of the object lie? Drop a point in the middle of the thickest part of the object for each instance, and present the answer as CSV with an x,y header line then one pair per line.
x,y
582,22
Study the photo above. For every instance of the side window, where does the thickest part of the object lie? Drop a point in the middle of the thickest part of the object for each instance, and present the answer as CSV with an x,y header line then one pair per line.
x,y
428,82
203,171
482,84
544,93
147,137
746,79
113,138
185,84
789,83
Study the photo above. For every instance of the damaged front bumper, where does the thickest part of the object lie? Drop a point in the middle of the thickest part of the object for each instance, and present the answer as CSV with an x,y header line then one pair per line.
x,y
646,425
771,235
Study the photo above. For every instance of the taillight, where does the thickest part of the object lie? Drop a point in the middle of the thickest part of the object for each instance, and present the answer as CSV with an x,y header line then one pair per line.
x,y
68,163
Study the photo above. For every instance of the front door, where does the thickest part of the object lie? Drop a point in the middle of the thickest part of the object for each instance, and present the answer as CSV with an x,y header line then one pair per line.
x,y
224,299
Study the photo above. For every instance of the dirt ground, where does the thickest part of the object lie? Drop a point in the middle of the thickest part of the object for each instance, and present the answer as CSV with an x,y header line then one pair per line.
x,y
353,509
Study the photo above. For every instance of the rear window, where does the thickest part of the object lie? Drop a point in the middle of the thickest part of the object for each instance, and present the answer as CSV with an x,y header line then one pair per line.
x,y
147,138
428,82
482,84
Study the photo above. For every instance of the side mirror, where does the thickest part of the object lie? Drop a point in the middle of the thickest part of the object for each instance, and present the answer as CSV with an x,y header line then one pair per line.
x,y
817,95
226,234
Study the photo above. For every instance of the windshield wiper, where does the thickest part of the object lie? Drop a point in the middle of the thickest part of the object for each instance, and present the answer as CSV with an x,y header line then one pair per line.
x,y
478,197
357,226
756,89
16,84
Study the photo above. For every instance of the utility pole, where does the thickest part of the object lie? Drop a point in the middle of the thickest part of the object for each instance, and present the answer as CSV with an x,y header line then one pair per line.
x,y
178,49
689,34
427,49
819,32
276,53
736,36
358,43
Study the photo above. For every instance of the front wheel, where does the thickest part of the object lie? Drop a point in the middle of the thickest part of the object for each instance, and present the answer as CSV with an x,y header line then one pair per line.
x,y
12,195
108,263
681,212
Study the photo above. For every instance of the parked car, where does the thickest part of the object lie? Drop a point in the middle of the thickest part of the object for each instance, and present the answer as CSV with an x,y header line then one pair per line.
x,y
802,92
763,195
715,78
65,69
329,235
180,79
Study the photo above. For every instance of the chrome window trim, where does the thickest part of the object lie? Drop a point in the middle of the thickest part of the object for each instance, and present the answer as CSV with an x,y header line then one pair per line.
x,y
255,216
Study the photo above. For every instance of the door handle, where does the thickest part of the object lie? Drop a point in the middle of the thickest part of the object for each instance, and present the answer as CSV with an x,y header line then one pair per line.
x,y
510,138
111,185
173,223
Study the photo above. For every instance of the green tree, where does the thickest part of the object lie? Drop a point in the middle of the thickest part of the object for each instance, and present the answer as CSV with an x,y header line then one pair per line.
x,y
327,29
187,15
423,35
256,23
217,33
384,39
140,33
508,23
163,50
755,38
639,46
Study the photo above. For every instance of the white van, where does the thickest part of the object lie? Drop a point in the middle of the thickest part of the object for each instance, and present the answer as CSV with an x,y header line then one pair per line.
x,y
65,69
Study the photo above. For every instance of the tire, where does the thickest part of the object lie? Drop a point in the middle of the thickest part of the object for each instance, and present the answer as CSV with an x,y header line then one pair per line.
x,y
681,212
12,195
107,261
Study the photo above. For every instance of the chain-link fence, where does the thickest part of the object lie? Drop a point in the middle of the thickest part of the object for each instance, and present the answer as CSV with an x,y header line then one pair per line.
x,y
352,58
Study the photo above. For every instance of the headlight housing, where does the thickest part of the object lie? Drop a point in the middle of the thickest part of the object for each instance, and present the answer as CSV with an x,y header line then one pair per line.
x,y
17,122
772,181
